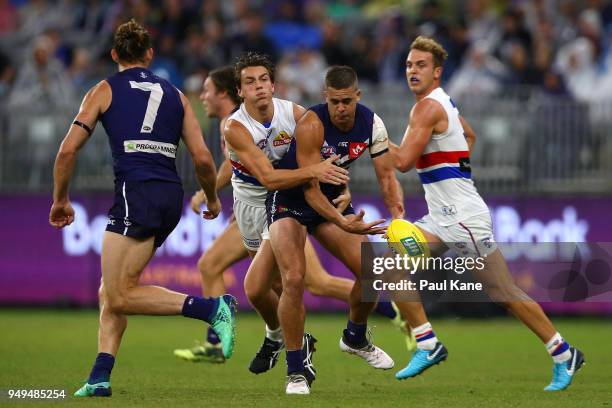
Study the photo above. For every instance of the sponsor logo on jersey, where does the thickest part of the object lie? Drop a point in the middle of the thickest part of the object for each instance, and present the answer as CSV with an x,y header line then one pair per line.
x,y
150,146
356,148
281,139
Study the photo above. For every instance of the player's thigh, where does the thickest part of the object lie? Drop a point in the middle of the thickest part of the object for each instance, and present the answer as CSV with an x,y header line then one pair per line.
x,y
262,273
497,280
123,260
432,236
225,250
346,247
314,270
287,239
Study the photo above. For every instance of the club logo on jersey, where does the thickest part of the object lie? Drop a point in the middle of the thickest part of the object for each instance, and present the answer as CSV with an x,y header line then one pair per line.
x,y
449,210
143,75
150,146
327,151
356,148
281,139
343,144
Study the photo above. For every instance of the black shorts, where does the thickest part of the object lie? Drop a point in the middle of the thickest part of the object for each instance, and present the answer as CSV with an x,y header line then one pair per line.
x,y
279,206
144,209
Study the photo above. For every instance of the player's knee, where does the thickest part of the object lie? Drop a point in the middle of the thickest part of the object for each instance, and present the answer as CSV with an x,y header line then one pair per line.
x,y
293,281
116,303
254,292
206,266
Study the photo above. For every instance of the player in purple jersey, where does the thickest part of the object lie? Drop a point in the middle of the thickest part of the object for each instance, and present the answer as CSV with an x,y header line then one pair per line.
x,y
341,127
144,117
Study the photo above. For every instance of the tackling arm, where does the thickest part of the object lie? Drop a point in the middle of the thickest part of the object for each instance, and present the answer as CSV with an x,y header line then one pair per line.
x,y
276,179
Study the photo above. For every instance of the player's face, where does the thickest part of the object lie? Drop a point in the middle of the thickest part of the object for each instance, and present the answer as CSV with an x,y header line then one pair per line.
x,y
210,98
342,104
420,71
256,86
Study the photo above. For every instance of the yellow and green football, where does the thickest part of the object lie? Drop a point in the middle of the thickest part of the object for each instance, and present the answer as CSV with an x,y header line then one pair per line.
x,y
404,237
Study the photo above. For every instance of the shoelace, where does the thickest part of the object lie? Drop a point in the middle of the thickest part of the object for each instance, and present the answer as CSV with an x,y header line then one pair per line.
x,y
308,365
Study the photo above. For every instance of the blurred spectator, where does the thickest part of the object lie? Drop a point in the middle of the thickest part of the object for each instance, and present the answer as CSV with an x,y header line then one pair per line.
x,y
513,33
333,50
7,73
8,17
164,63
301,75
521,72
479,74
40,99
252,38
289,32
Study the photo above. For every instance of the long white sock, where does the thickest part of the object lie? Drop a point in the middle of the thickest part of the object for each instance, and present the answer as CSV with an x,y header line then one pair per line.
x,y
558,349
274,335
425,337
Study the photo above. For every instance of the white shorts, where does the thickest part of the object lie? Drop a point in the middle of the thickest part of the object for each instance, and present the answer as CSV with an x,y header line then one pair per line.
x,y
252,223
469,238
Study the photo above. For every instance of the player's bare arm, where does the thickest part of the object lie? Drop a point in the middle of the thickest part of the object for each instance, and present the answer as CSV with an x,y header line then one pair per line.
x,y
276,179
470,135
427,117
202,159
309,139
389,186
95,102
224,177
343,200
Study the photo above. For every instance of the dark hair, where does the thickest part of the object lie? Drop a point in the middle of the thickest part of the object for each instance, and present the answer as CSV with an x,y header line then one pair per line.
x,y
224,80
131,42
253,59
340,77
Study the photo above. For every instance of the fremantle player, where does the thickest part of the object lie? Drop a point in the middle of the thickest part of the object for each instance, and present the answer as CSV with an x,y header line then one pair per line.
x,y
258,134
437,142
343,129
144,117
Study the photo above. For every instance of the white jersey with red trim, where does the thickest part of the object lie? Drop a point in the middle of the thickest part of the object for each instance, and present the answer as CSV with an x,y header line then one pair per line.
x,y
272,138
444,170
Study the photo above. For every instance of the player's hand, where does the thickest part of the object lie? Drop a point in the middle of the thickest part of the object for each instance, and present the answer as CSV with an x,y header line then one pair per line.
x,y
328,172
197,199
213,209
61,214
342,201
355,225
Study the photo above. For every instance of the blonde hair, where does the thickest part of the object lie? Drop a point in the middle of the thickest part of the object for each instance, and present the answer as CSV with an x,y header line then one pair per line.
x,y
430,45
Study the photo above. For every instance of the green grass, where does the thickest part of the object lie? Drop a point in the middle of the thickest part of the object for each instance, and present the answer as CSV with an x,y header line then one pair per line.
x,y
491,363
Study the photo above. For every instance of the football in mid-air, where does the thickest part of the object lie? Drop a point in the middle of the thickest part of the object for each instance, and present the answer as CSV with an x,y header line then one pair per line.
x,y
404,237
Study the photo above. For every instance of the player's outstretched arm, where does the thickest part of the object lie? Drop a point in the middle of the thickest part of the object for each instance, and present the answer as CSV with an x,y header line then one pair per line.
x,y
277,179
470,135
95,102
202,159
309,139
389,186
425,115
385,170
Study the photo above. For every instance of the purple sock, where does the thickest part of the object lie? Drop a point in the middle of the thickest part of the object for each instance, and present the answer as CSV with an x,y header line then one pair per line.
x,y
200,308
295,362
102,368
355,334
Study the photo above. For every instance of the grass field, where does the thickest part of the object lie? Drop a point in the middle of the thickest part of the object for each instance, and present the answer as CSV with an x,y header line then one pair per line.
x,y
492,363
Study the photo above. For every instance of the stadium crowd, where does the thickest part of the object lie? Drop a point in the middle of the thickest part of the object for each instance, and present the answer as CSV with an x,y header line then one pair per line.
x,y
50,51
